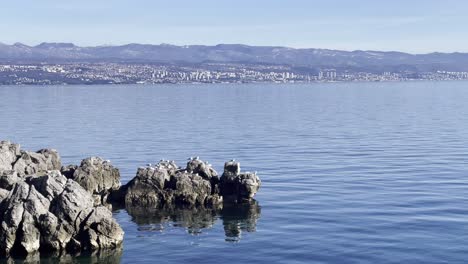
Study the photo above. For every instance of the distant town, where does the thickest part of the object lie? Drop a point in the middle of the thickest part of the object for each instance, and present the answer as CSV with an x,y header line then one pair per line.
x,y
134,73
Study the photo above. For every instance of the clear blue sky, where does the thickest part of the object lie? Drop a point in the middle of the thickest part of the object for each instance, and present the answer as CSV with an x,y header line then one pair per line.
x,y
413,26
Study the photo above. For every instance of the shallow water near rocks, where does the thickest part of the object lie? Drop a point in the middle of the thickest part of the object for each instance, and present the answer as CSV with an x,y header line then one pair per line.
x,y
351,172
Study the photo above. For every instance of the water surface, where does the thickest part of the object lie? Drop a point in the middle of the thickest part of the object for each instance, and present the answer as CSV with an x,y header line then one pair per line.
x,y
352,172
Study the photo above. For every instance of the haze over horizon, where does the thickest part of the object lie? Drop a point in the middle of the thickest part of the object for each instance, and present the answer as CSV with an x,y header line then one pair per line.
x,y
217,44
414,27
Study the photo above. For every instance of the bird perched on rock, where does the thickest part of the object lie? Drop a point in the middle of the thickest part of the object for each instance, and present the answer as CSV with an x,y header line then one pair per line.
x,y
149,164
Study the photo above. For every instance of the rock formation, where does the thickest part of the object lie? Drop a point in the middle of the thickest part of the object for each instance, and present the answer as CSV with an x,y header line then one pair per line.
x,y
97,176
47,207
9,153
52,213
40,209
25,162
197,184
165,183
236,186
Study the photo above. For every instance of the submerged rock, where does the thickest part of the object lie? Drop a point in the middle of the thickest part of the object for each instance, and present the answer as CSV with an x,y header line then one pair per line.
x,y
236,186
97,176
53,213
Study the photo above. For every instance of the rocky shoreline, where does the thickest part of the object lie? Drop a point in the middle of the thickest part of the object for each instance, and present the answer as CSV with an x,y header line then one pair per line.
x,y
49,208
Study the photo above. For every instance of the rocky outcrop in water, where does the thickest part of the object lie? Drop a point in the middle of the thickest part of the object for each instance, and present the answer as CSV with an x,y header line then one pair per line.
x,y
50,208
42,210
236,186
53,213
97,176
197,184
166,183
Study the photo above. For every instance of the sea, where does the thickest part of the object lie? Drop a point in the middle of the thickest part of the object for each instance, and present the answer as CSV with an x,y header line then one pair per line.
x,y
351,172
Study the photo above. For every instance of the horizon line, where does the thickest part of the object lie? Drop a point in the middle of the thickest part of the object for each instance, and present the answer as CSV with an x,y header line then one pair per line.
x,y
227,44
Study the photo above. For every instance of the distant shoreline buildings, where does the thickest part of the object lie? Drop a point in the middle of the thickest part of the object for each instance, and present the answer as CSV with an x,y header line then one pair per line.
x,y
127,73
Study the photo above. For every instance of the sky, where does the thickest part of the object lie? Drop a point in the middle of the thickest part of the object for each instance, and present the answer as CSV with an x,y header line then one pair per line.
x,y
414,26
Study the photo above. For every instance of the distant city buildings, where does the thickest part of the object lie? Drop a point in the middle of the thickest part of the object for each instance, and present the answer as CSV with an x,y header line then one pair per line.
x,y
115,73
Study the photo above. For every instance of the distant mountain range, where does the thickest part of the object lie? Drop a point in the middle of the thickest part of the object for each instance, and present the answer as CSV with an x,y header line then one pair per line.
x,y
370,61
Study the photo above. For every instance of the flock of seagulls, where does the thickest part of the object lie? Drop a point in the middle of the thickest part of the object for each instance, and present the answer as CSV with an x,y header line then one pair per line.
x,y
190,159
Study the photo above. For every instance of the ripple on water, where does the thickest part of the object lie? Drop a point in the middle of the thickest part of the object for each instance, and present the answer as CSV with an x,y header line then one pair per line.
x,y
352,173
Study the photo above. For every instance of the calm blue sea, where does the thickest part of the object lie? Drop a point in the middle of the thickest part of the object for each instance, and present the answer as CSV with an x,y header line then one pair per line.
x,y
352,172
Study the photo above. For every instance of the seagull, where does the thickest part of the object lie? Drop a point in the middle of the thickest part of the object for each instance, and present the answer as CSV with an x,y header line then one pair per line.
x,y
149,164
197,158
191,158
233,160
108,161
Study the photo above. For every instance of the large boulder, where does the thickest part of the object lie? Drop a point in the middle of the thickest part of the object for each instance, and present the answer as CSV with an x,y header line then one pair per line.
x,y
186,188
37,162
236,186
52,213
9,153
97,176
147,188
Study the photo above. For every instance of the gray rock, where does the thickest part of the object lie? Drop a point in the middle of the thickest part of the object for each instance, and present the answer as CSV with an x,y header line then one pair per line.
x,y
164,183
3,194
236,186
9,153
202,168
18,213
68,171
189,189
55,214
37,162
97,176
147,188
50,185
100,230
8,178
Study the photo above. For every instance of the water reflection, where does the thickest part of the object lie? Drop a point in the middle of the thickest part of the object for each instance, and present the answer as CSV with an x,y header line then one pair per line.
x,y
236,218
102,256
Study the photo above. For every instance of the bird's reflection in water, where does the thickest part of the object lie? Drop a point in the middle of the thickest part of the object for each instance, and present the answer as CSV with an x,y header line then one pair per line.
x,y
236,218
